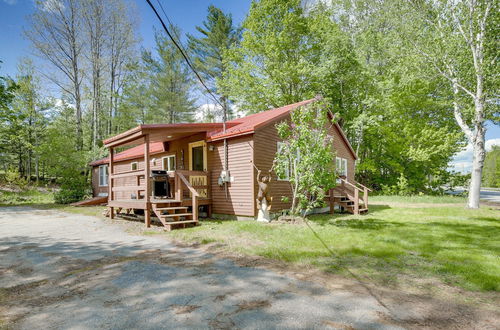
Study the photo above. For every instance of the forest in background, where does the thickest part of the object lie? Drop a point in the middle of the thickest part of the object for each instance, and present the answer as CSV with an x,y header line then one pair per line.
x,y
377,63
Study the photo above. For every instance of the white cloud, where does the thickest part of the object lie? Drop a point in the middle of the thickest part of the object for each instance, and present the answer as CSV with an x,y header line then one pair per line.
x,y
51,5
462,162
492,142
213,112
10,2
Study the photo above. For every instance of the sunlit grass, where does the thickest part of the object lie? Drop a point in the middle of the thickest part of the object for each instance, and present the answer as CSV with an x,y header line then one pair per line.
x,y
426,199
457,246
25,197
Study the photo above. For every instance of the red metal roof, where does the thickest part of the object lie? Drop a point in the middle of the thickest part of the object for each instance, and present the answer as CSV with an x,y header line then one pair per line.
x,y
236,127
248,124
135,152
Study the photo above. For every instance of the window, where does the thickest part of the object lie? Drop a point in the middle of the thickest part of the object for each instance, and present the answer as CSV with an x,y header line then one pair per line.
x,y
103,176
341,166
285,176
169,163
134,166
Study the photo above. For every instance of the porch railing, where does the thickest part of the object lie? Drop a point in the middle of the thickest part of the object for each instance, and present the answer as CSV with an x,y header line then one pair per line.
x,y
187,184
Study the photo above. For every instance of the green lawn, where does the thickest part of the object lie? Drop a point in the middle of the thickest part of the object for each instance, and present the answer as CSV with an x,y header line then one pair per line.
x,y
389,245
426,199
25,197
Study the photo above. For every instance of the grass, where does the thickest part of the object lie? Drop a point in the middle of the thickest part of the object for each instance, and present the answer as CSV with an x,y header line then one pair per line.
x,y
26,197
425,199
454,245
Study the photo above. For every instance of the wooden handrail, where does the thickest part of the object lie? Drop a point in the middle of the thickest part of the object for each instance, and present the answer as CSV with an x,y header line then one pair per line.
x,y
364,187
188,185
345,181
356,198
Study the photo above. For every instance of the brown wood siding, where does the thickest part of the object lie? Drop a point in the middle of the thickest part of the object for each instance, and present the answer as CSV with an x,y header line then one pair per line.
x,y
96,189
240,199
265,147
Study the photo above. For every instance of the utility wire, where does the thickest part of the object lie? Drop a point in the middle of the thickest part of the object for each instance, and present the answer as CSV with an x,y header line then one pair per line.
x,y
174,31
183,54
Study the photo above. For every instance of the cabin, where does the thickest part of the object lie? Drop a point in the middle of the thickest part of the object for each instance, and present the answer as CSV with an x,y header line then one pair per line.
x,y
178,172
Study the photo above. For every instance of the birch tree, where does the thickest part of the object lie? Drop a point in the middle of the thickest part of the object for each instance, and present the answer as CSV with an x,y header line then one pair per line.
x,y
96,27
55,34
458,41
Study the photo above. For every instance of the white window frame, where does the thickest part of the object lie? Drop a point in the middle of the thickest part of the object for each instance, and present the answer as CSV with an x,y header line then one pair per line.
x,y
341,166
103,173
163,163
287,171
132,166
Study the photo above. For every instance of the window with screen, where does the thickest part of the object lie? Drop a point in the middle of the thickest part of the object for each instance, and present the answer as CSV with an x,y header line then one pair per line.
x,y
103,175
169,163
341,166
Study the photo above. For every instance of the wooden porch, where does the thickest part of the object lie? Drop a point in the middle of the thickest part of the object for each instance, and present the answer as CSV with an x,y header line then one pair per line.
x,y
187,191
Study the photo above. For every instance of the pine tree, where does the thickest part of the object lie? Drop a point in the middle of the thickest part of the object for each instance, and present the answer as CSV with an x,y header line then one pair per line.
x,y
218,34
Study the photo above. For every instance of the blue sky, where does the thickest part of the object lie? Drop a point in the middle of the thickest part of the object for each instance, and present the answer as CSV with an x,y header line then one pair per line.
x,y
184,13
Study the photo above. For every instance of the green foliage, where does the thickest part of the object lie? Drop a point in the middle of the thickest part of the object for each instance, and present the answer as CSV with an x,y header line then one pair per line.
x,y
161,92
306,156
286,56
491,170
13,178
72,190
396,117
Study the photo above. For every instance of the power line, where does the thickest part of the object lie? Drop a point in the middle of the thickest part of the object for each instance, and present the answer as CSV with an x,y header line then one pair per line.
x,y
183,54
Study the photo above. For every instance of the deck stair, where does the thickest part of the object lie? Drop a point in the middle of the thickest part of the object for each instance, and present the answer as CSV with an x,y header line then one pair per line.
x,y
173,216
352,197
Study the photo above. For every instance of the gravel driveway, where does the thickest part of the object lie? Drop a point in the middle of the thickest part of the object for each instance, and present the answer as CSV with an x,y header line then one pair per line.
x,y
61,270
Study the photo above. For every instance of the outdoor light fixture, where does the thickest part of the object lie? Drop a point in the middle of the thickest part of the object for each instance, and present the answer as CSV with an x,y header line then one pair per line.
x,y
169,136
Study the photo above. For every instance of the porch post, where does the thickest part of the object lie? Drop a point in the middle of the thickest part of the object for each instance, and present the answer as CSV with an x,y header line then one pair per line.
x,y
147,211
110,181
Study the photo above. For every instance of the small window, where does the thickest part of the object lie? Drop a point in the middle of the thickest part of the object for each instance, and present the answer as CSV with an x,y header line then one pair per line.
x,y
285,176
341,166
134,166
103,176
169,163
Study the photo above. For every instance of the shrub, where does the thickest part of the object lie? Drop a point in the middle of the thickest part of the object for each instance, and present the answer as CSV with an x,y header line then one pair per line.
x,y
12,177
72,190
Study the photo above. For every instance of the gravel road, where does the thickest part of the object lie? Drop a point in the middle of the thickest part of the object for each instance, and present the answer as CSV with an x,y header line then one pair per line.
x,y
67,271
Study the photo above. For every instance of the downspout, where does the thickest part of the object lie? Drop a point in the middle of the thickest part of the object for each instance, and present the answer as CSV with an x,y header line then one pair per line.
x,y
225,165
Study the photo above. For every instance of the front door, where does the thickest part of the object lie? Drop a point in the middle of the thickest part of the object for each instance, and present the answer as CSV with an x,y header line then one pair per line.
x,y
198,162
198,156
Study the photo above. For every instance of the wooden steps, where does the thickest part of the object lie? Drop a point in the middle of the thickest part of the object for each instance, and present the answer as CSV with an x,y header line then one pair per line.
x,y
169,216
173,208
175,215
352,197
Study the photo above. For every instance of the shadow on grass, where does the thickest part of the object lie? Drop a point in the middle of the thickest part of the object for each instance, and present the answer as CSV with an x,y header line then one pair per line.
x,y
459,252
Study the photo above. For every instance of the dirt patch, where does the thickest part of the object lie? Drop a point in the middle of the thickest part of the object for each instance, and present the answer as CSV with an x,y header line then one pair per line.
x,y
338,325
290,219
184,309
222,321
252,304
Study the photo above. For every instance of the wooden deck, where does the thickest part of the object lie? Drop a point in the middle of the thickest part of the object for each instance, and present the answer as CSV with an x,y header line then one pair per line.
x,y
191,189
